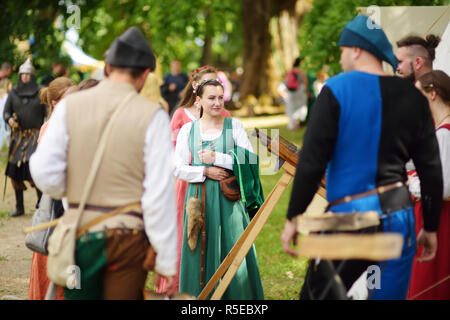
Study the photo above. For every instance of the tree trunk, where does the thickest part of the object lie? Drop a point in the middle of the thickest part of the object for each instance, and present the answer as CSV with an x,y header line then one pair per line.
x,y
207,47
284,30
257,50
207,51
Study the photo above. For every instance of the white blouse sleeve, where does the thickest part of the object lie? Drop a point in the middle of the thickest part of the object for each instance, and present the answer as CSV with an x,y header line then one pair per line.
x,y
183,169
158,204
240,139
443,138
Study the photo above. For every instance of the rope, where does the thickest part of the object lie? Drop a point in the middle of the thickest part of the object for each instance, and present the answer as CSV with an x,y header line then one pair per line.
x,y
434,23
431,287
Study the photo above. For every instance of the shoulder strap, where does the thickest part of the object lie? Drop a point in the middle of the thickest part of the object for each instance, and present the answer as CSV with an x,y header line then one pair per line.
x,y
98,157
191,138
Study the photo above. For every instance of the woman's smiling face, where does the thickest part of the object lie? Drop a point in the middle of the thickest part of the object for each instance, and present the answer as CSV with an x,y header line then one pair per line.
x,y
212,100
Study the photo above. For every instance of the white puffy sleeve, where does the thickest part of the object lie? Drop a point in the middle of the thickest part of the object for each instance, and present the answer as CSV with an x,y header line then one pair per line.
x,y
158,202
183,169
443,138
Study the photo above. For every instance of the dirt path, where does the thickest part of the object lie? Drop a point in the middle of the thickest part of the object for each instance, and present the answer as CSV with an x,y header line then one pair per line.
x,y
15,257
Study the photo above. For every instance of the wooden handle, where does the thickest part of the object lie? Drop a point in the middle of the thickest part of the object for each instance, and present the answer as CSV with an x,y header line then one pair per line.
x,y
41,226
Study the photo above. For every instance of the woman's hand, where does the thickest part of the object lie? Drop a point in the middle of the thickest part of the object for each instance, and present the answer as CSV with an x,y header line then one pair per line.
x,y
207,156
429,242
12,122
216,173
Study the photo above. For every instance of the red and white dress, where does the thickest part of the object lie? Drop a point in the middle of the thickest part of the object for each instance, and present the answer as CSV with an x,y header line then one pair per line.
x,y
431,280
180,117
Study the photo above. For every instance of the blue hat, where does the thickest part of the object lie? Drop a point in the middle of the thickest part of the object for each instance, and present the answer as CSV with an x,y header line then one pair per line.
x,y
363,33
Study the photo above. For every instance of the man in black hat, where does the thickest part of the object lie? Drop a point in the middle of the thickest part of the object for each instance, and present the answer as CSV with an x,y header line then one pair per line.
x,y
135,169
359,135
25,114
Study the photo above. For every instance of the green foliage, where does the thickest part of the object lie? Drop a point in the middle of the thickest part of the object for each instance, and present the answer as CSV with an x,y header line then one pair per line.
x,y
176,29
42,22
322,26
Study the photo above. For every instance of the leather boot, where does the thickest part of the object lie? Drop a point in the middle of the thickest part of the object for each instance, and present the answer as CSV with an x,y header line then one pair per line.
x,y
39,195
19,204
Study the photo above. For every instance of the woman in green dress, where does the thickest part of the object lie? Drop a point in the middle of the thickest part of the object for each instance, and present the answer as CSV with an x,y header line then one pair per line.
x,y
201,159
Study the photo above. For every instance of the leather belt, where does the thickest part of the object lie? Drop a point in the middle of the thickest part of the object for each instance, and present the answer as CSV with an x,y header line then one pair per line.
x,y
202,252
378,190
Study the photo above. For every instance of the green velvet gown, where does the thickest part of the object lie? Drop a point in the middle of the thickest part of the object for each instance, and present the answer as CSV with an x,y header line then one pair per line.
x,y
225,222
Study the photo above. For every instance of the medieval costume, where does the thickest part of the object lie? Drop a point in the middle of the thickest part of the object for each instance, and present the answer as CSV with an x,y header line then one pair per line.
x,y
225,220
24,106
430,280
180,117
358,134
135,169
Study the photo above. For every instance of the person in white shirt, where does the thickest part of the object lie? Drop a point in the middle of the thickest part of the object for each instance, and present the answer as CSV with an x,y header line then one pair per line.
x,y
135,168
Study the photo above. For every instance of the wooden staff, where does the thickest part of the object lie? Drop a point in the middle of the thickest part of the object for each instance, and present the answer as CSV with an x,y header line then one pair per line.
x,y
376,246
41,226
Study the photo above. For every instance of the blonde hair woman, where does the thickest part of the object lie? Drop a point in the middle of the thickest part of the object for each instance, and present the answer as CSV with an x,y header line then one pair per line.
x,y
152,92
52,94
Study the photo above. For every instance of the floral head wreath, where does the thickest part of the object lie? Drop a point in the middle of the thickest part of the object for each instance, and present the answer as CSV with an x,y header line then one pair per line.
x,y
202,83
198,70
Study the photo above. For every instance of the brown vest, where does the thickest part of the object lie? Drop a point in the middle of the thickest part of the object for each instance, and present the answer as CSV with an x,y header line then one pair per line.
x,y
119,179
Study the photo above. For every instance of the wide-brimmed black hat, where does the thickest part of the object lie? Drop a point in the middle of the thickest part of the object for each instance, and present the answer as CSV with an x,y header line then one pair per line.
x,y
131,49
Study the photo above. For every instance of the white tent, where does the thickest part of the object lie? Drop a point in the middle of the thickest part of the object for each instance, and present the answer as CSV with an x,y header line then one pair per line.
x,y
79,58
442,60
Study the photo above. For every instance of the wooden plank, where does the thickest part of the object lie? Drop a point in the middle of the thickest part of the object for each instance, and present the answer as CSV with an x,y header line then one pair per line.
x,y
338,222
377,247
41,226
316,207
248,240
